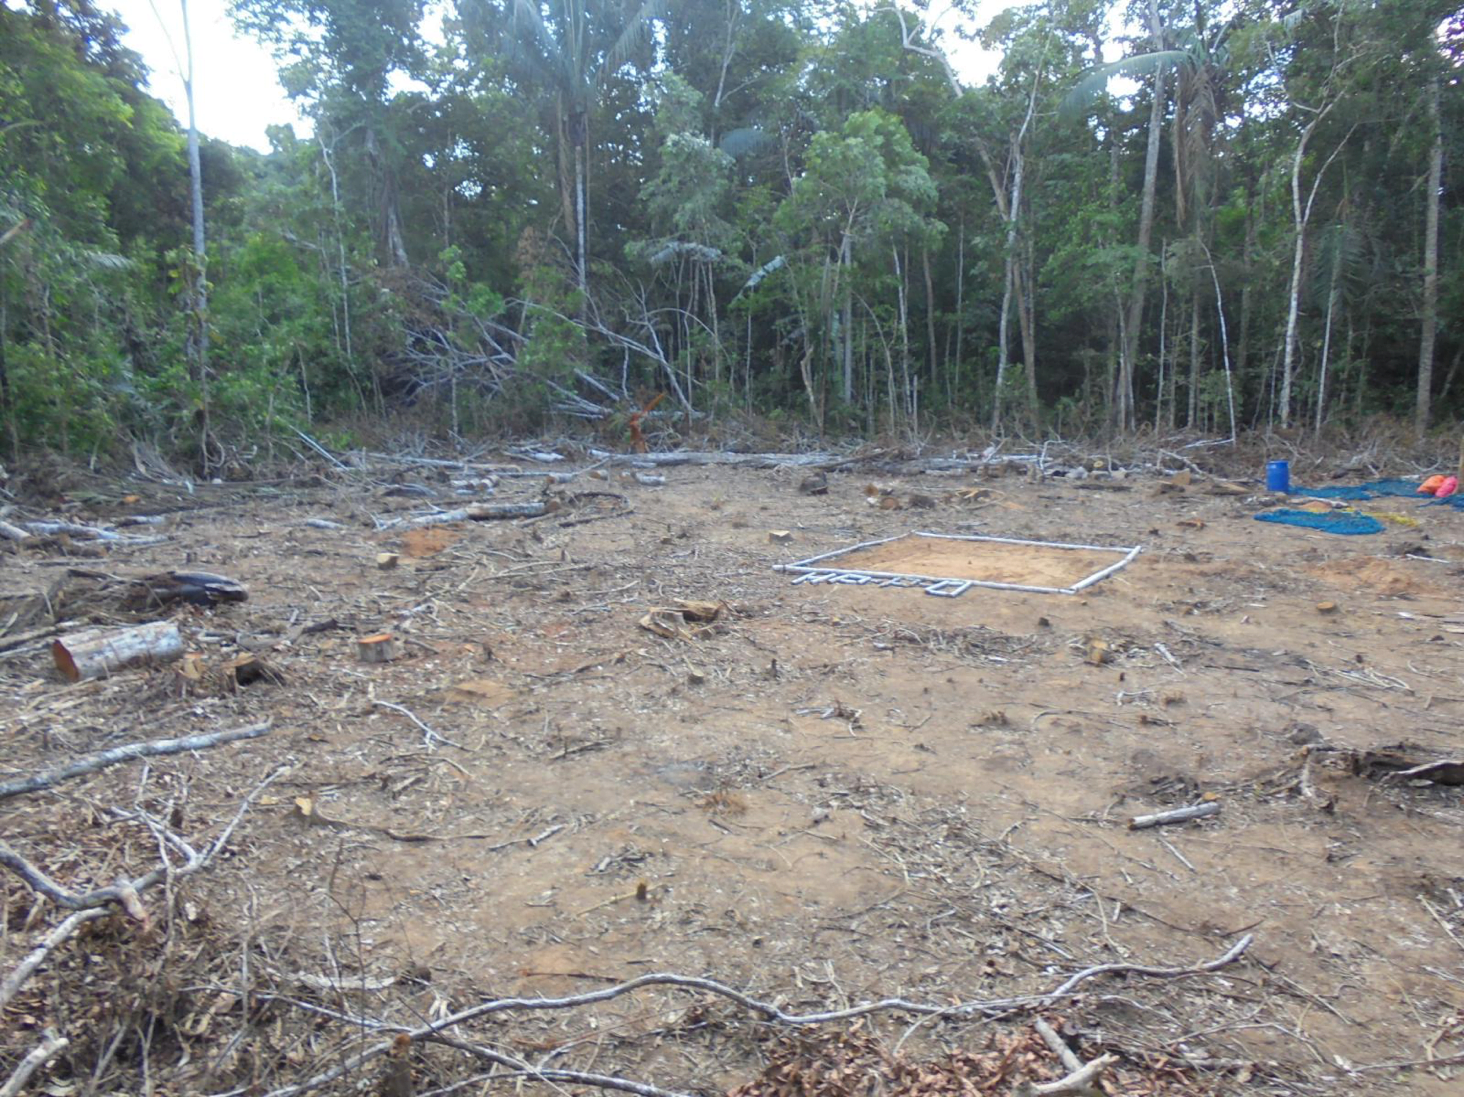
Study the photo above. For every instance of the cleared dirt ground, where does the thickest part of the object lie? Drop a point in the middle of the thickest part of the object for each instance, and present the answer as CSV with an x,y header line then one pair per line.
x,y
829,793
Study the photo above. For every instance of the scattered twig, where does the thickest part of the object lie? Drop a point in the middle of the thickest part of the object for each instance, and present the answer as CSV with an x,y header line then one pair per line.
x,y
429,735
127,892
1407,1064
102,759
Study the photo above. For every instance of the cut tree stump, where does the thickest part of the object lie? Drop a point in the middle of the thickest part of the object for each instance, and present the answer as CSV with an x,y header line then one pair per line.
x,y
94,653
381,648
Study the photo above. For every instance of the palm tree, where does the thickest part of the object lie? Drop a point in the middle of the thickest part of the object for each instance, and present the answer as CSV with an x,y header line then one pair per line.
x,y
571,49
1199,58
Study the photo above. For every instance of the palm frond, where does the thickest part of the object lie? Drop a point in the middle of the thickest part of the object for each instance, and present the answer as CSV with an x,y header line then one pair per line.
x,y
106,260
681,249
1094,83
740,142
776,263
632,36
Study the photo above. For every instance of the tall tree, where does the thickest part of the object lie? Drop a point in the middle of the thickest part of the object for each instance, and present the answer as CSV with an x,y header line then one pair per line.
x,y
1429,316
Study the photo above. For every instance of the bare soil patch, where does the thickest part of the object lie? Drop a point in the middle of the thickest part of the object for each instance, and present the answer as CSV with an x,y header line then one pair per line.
x,y
830,795
988,561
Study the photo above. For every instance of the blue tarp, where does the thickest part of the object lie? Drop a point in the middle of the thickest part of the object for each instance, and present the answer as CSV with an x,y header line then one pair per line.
x,y
1334,521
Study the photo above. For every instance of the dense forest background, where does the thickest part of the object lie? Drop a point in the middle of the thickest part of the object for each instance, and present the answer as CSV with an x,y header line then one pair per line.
x,y
513,214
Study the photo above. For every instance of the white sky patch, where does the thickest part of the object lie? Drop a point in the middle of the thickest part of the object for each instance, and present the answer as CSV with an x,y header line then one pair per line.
x,y
237,91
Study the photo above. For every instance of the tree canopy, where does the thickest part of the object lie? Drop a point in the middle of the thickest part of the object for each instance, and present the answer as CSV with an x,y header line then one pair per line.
x,y
1154,215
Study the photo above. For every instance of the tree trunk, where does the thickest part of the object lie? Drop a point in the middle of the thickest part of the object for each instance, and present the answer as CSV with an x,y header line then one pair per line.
x,y
393,244
1422,405
562,165
1135,318
1333,292
1194,360
1301,216
1003,339
1224,340
579,138
845,259
198,306
960,295
7,401
1242,348
1026,319
930,314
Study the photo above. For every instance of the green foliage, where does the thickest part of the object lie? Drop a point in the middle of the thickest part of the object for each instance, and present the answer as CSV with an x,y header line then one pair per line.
x,y
761,204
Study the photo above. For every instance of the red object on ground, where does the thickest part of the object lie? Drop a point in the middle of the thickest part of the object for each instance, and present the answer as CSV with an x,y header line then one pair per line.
x,y
1431,485
1447,488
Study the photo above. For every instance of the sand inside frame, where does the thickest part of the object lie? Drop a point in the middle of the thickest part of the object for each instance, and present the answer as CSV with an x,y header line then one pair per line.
x,y
944,557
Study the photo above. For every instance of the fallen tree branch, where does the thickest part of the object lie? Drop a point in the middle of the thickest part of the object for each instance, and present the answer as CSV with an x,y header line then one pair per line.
x,y
769,1011
1076,1082
11,984
92,763
20,639
1057,1045
40,1055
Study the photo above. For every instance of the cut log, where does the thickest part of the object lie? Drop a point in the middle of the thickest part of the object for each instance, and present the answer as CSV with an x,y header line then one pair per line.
x,y
485,511
1178,815
387,560
476,512
13,533
94,653
381,648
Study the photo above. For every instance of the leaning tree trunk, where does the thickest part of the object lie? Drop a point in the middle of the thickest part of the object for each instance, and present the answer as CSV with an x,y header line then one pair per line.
x,y
1421,408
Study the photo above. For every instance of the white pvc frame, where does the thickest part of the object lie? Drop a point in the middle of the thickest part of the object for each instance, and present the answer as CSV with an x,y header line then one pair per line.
x,y
810,571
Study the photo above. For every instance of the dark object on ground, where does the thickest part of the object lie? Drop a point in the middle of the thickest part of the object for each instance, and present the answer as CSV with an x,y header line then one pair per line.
x,y
197,588
816,484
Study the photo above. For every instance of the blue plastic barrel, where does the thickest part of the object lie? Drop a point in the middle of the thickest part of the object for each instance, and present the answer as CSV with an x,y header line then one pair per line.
x,y
1278,476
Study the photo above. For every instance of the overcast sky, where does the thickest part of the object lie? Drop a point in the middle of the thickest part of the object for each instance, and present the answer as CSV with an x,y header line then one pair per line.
x,y
238,93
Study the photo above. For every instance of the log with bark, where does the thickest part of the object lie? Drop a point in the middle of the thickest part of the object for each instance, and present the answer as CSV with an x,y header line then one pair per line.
x,y
477,512
1178,815
93,653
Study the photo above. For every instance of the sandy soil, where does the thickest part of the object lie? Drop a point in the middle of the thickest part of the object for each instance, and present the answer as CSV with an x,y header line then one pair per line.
x,y
832,793
988,561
